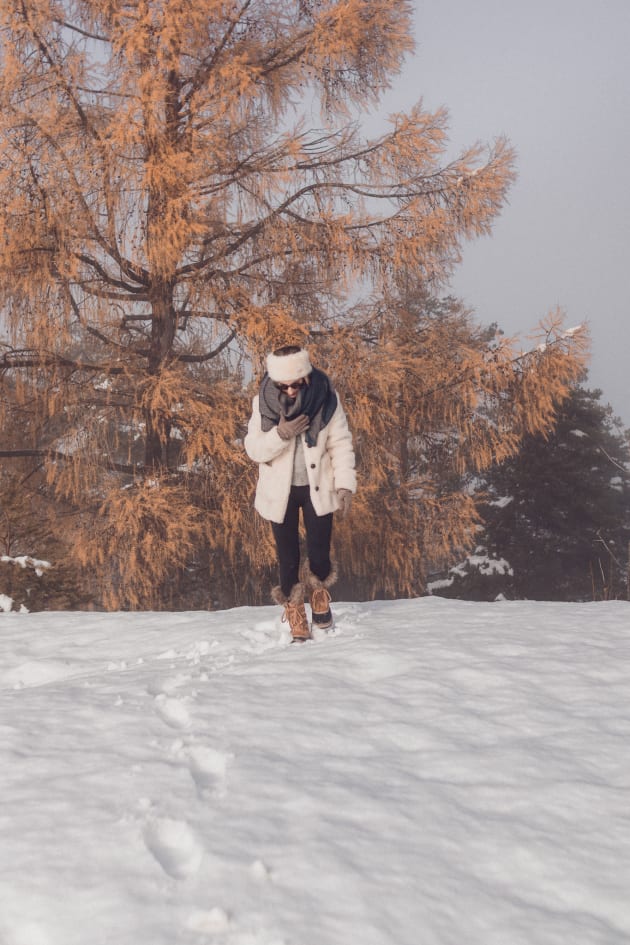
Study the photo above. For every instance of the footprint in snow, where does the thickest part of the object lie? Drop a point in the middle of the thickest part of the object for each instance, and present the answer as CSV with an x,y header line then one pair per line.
x,y
166,684
172,711
260,871
261,637
28,933
208,767
209,922
174,846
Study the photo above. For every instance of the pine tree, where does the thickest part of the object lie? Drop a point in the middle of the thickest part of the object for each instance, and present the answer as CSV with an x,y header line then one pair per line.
x,y
169,214
559,511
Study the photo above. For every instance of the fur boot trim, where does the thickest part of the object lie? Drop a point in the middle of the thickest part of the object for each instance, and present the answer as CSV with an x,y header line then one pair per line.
x,y
320,597
277,596
295,597
311,580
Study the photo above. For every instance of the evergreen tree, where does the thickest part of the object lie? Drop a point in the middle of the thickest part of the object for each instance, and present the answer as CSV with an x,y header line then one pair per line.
x,y
558,513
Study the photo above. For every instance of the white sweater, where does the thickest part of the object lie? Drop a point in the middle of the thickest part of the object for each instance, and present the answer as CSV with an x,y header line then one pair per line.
x,y
329,465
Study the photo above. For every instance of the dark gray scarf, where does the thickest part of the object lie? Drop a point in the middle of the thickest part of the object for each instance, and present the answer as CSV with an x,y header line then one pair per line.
x,y
317,399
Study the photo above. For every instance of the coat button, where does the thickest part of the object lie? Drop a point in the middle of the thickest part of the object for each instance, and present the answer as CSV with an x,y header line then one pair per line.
x,y
316,488
312,465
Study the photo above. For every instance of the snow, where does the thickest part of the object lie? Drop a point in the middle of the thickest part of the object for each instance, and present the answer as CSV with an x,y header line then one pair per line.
x,y
484,563
25,561
6,603
440,584
503,502
433,773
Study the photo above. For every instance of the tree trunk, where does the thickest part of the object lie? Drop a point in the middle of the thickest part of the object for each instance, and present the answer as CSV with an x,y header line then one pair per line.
x,y
163,327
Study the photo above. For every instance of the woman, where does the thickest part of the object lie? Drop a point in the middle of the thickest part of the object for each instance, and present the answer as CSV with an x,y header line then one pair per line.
x,y
299,436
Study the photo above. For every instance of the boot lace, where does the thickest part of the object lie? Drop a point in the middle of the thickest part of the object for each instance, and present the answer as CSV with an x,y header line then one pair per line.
x,y
320,600
295,616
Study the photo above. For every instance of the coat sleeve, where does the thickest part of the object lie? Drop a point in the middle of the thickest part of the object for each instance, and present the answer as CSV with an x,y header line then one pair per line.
x,y
262,446
341,451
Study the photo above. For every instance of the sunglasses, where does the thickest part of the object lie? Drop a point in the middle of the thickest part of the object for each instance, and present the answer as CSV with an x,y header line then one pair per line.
x,y
297,385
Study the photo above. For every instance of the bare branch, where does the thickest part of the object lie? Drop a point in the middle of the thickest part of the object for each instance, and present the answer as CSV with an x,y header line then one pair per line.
x,y
28,359
200,358
109,278
60,455
82,32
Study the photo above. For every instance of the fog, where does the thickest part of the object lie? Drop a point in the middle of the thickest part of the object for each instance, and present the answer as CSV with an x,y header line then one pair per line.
x,y
553,76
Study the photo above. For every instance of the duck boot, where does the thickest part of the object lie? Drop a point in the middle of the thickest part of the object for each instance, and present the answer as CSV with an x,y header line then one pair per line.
x,y
320,597
294,612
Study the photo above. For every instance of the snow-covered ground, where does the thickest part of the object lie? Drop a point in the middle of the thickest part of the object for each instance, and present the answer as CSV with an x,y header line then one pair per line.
x,y
435,773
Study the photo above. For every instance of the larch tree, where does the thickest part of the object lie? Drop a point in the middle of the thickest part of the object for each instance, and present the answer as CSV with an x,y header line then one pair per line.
x,y
436,399
169,211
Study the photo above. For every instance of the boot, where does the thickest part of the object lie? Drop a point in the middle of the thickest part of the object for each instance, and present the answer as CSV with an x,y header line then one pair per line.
x,y
294,612
320,597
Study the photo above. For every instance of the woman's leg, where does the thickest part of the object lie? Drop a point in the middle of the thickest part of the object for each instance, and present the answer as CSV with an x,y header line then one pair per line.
x,y
318,537
319,574
287,540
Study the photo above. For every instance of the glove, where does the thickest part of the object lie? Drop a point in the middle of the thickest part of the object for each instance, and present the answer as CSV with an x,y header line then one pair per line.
x,y
345,501
287,429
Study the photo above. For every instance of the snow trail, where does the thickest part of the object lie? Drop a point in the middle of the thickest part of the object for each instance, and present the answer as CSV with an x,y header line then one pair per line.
x,y
436,772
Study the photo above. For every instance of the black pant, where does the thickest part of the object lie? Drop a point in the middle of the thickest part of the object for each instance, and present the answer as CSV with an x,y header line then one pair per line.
x,y
318,535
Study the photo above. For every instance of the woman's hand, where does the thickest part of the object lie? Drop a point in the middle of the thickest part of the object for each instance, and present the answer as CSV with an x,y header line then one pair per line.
x,y
345,501
287,429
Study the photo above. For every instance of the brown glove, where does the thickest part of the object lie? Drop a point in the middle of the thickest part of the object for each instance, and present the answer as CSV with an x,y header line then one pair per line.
x,y
345,501
287,429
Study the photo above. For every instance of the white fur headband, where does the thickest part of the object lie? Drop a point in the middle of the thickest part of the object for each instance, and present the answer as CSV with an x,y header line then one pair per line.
x,y
284,368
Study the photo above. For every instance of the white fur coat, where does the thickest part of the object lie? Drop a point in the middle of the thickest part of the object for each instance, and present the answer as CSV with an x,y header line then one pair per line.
x,y
329,464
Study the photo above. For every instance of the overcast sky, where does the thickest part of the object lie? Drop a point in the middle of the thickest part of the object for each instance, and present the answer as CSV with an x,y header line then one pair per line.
x,y
554,77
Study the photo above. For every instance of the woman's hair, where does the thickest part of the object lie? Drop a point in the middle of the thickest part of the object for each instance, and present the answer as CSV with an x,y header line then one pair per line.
x,y
286,349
